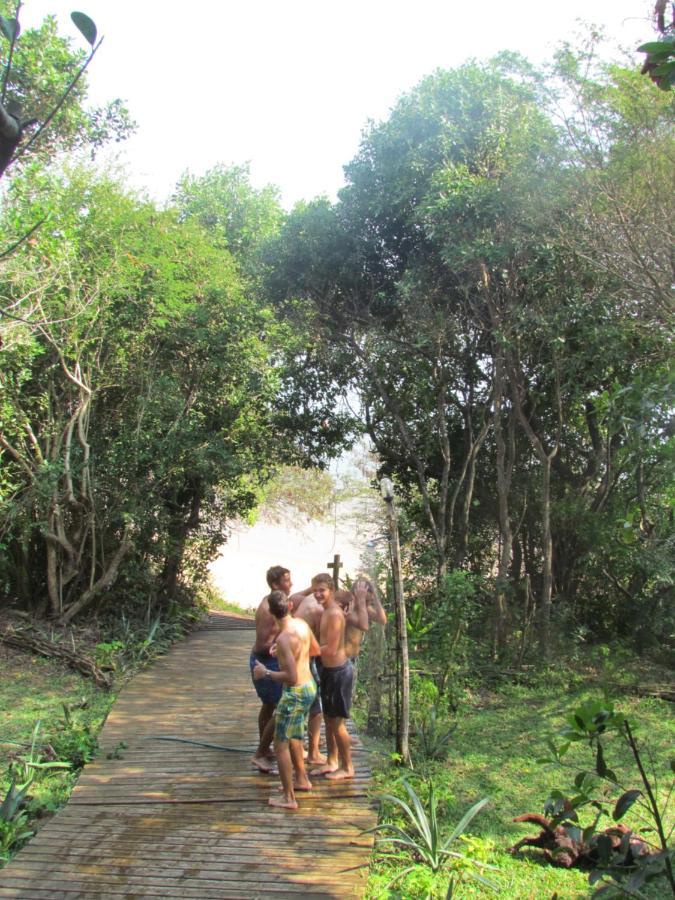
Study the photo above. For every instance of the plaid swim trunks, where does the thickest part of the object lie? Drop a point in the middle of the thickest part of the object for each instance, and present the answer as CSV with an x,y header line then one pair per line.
x,y
292,711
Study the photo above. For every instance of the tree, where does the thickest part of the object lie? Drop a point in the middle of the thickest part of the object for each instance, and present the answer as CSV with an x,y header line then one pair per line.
x,y
136,389
43,92
453,286
238,217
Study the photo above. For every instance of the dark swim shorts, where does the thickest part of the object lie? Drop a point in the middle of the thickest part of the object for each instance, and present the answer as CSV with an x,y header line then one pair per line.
x,y
336,690
269,691
315,708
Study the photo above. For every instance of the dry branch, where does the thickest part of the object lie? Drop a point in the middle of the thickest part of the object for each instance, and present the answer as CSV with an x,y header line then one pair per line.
x,y
33,643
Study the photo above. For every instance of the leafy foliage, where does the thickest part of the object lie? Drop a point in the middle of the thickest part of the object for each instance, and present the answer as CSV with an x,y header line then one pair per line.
x,y
44,89
156,359
72,739
26,764
592,723
659,63
422,837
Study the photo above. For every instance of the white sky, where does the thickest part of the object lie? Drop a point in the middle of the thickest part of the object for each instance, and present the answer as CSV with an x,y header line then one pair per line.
x,y
239,570
288,86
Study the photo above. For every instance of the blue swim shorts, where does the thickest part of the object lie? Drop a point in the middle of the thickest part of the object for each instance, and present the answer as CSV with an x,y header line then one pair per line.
x,y
269,691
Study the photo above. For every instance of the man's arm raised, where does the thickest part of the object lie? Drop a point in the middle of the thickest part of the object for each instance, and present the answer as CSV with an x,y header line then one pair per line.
x,y
376,612
358,615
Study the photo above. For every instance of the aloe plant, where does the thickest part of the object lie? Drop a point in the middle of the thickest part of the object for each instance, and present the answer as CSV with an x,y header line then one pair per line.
x,y
434,735
423,837
13,818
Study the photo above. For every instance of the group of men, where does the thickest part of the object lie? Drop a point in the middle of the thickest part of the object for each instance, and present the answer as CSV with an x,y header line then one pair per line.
x,y
302,665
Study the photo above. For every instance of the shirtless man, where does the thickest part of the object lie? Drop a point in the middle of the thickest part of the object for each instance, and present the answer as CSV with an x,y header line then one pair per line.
x,y
269,692
295,645
361,607
310,610
337,675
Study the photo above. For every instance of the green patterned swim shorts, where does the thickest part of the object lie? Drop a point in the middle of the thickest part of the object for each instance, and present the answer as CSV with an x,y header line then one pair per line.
x,y
292,711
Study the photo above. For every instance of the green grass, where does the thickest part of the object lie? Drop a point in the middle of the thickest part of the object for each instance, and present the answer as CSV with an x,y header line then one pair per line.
x,y
33,689
211,598
493,753
221,605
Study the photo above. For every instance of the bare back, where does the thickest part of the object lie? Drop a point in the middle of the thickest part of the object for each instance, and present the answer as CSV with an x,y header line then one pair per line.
x,y
266,628
310,610
353,638
294,643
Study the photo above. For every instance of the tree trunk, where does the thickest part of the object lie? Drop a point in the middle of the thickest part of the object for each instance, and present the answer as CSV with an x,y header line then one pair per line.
x,y
104,582
179,530
547,560
546,459
375,670
403,731
504,472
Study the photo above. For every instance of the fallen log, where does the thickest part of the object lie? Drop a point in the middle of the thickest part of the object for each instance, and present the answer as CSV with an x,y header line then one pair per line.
x,y
658,691
564,845
21,639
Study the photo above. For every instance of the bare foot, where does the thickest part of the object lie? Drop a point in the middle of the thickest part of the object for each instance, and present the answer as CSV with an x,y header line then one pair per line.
x,y
283,804
340,774
262,764
318,760
302,786
323,770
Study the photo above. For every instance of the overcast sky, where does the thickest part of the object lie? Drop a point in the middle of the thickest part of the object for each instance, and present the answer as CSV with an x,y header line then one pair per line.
x,y
288,86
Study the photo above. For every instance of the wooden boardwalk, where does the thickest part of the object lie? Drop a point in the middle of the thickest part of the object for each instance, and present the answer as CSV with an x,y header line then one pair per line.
x,y
168,819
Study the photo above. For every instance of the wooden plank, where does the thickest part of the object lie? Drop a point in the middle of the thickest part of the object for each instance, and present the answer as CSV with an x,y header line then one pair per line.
x,y
171,819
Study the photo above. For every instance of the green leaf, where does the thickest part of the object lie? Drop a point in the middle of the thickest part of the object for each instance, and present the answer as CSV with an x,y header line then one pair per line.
x,y
575,833
636,880
10,28
664,68
624,803
655,48
465,820
600,764
85,26
588,833
604,845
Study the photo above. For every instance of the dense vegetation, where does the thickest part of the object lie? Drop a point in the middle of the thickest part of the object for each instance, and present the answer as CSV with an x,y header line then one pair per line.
x,y
146,393
492,285
494,282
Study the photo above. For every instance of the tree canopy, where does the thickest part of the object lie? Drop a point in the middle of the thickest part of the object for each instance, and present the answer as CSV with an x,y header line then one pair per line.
x,y
488,299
